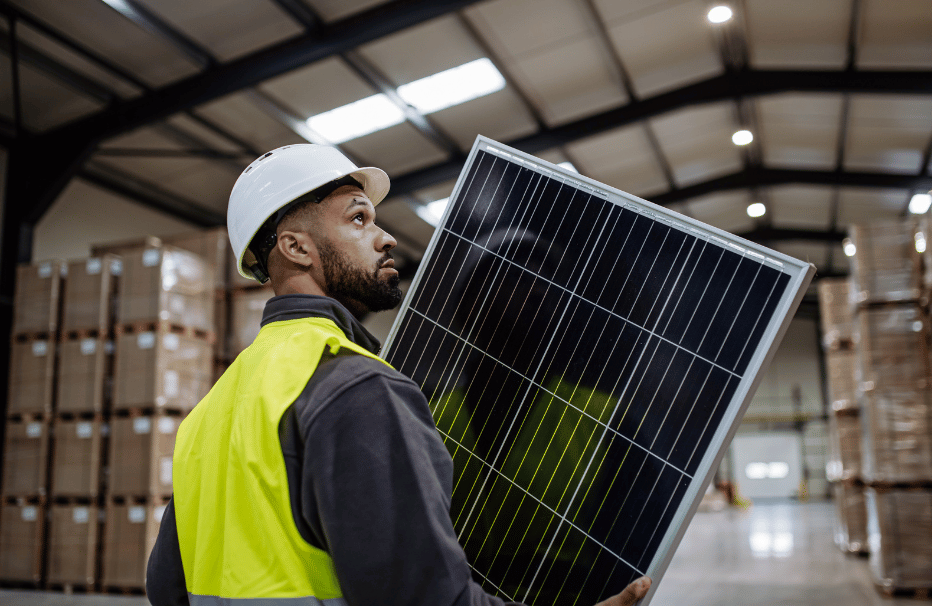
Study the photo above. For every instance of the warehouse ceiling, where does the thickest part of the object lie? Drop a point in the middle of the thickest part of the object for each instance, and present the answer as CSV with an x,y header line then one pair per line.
x,y
166,101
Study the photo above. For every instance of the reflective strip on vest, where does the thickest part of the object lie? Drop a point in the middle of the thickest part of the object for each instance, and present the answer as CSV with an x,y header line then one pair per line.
x,y
212,600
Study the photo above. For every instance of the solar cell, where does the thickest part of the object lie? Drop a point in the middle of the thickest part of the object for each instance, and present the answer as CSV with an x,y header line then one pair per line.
x,y
587,357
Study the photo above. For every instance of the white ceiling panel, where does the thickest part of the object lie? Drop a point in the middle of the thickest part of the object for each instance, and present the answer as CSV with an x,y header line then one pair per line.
x,y
75,62
332,10
896,34
207,183
802,206
798,33
521,35
396,150
194,128
45,102
888,133
667,48
500,116
864,205
318,87
95,25
621,158
613,11
569,81
800,130
811,252
402,57
726,210
239,114
697,142
226,28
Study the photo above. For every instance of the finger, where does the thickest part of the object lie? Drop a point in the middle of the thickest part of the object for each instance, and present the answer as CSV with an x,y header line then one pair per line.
x,y
632,593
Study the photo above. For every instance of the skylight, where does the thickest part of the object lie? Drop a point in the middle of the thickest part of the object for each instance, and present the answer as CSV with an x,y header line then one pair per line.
x,y
433,93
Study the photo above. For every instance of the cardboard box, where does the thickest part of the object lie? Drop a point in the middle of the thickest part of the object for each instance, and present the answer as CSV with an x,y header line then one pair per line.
x,y
140,460
72,545
899,527
83,376
163,370
885,266
169,285
247,307
896,436
893,349
212,245
841,366
36,303
851,523
131,531
32,367
844,441
77,457
837,312
21,535
25,458
89,294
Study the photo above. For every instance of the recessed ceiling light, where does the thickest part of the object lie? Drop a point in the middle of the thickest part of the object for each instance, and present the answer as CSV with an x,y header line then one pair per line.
x,y
568,166
742,137
920,242
849,247
357,119
757,209
432,212
453,86
719,14
920,203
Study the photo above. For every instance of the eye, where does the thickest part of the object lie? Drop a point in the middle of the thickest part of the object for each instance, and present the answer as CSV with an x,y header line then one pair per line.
x,y
359,218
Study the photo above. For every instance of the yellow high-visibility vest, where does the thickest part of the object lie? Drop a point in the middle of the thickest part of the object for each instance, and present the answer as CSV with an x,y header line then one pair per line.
x,y
236,529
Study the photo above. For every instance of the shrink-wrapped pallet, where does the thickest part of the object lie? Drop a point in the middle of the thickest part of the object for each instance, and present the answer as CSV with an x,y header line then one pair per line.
x,y
32,366
73,543
161,370
844,462
851,523
899,526
141,455
893,350
897,436
36,302
83,375
22,528
25,458
166,285
837,312
89,291
247,307
885,266
841,366
130,533
76,461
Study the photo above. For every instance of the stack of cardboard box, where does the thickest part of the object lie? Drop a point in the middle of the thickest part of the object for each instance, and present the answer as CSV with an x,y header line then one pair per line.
x,y
893,373
844,463
31,404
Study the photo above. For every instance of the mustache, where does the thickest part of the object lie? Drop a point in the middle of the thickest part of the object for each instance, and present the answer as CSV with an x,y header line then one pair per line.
x,y
385,258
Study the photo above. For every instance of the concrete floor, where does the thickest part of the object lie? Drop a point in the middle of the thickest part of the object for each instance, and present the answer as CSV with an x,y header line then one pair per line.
x,y
778,553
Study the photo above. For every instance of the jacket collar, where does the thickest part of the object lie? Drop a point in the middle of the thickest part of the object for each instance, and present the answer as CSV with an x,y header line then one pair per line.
x,y
293,307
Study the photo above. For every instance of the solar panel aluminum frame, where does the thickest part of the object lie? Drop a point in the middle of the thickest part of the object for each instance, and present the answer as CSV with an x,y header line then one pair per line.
x,y
800,274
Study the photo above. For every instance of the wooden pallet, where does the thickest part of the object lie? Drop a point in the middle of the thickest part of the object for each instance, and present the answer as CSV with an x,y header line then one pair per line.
x,y
166,327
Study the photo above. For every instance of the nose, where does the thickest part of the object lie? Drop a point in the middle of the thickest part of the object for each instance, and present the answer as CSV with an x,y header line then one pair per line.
x,y
385,242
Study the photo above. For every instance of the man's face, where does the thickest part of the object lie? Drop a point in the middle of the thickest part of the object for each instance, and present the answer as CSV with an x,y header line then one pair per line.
x,y
357,266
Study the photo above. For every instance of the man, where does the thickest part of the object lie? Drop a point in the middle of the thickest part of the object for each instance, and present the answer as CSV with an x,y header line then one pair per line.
x,y
313,473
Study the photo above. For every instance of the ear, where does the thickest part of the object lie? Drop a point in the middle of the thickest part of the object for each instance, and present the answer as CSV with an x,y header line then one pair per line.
x,y
297,247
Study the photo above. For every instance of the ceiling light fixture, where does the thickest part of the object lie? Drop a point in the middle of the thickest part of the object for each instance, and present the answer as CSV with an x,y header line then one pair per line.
x,y
719,14
742,137
756,210
920,242
357,119
453,86
432,212
849,247
919,204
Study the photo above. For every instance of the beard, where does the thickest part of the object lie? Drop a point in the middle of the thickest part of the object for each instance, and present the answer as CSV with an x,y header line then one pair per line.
x,y
353,286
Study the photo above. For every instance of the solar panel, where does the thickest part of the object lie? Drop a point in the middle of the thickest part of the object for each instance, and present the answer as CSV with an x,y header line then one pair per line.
x,y
587,357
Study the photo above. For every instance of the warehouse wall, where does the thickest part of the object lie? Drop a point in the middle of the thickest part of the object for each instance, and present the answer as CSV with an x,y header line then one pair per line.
x,y
84,215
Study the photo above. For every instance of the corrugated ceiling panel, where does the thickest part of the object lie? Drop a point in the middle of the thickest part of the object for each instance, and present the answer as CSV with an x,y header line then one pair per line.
x,y
888,133
240,115
726,210
500,115
227,28
46,103
800,130
863,205
802,206
332,10
697,142
396,150
798,33
318,87
896,34
621,158
811,252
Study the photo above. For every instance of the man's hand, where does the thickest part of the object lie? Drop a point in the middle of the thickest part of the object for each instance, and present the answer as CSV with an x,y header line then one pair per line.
x,y
632,593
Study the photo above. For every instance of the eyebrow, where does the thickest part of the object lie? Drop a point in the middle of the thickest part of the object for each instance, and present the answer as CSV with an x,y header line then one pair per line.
x,y
360,202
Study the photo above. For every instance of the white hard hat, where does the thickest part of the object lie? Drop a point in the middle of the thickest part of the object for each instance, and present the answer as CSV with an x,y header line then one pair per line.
x,y
278,178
